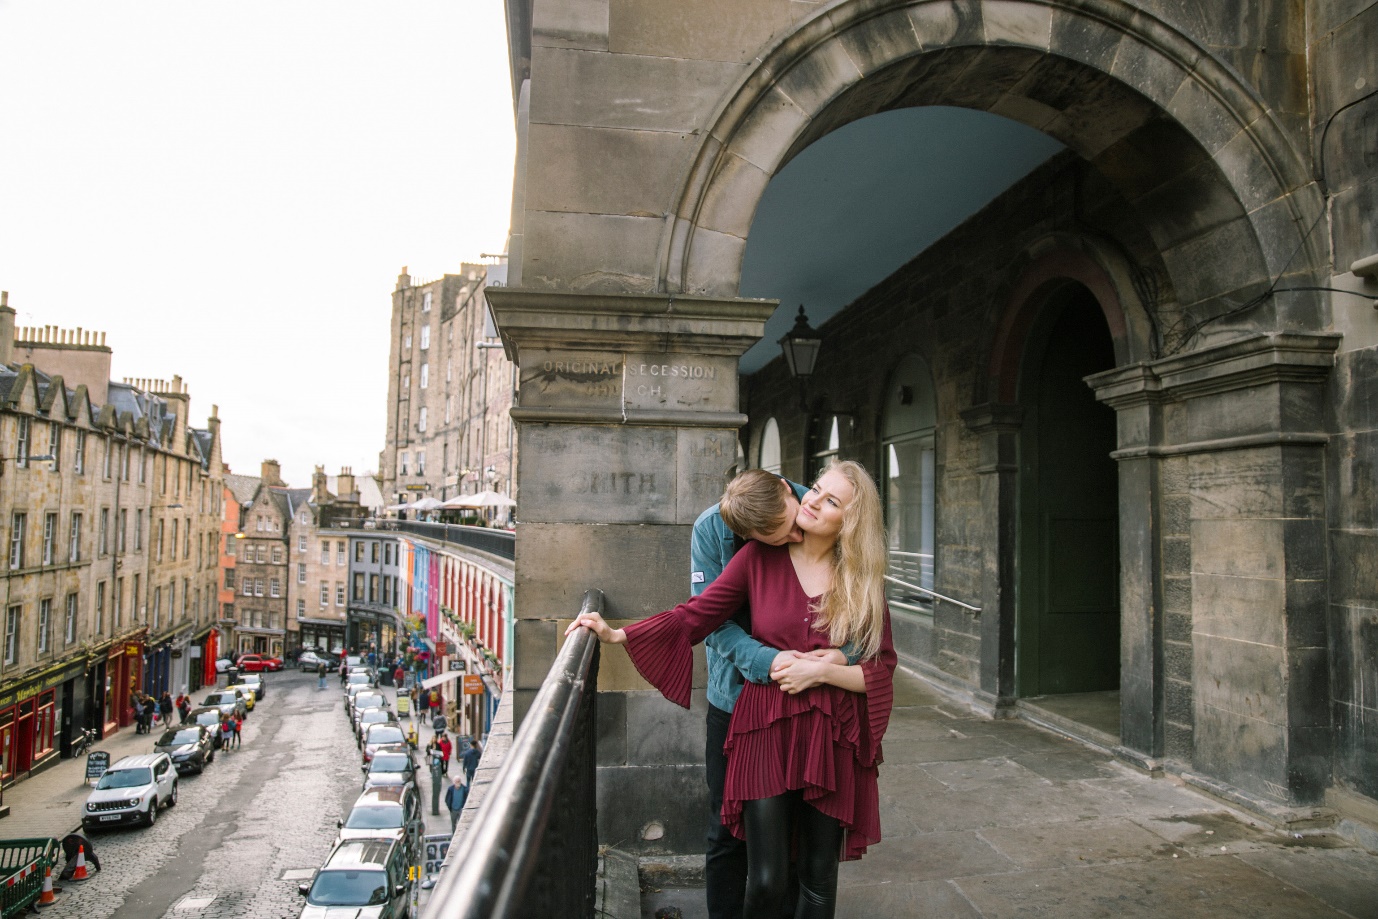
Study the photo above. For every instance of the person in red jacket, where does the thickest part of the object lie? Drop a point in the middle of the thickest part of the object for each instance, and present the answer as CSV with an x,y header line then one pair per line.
x,y
446,748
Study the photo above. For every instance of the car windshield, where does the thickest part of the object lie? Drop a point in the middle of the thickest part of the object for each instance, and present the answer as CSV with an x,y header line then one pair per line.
x,y
125,778
354,660
349,888
369,700
218,698
179,737
374,818
207,718
389,762
375,715
383,733
358,679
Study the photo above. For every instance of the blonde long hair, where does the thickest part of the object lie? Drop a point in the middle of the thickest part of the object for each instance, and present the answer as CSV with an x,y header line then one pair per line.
x,y
853,608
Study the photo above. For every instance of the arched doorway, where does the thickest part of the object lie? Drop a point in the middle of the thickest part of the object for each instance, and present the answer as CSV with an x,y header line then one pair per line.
x,y
1068,627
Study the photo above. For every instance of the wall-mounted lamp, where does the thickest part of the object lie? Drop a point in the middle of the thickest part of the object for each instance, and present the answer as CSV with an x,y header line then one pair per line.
x,y
801,345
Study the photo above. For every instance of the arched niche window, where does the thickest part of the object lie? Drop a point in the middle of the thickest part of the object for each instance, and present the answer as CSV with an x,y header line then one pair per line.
x,y
768,454
908,424
826,444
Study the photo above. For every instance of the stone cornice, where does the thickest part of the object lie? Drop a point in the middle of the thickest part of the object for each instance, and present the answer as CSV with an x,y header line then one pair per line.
x,y
574,321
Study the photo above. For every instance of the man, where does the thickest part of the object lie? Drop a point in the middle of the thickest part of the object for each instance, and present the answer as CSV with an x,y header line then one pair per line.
x,y
762,506
470,760
455,796
321,671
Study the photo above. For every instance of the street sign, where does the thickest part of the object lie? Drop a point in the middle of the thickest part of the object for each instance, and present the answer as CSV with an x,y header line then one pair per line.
x,y
97,761
473,685
456,666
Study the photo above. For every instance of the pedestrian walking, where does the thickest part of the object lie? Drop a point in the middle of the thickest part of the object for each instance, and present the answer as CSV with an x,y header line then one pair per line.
x,y
446,748
226,732
455,796
321,671
470,759
238,724
165,708
398,676
184,706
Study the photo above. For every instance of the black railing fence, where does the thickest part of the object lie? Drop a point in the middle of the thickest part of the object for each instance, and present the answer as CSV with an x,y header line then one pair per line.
x,y
532,849
501,543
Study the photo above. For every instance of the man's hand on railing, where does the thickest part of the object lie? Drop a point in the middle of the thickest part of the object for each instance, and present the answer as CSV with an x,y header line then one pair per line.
x,y
596,624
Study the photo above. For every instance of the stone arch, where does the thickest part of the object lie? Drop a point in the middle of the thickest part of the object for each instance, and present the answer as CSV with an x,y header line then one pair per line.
x,y
1169,125
1045,265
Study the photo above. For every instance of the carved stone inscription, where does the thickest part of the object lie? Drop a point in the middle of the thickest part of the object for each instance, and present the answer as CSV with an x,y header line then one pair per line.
x,y
597,474
590,379
680,382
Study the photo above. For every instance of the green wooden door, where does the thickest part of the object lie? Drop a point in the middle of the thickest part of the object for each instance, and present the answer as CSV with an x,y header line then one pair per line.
x,y
1069,623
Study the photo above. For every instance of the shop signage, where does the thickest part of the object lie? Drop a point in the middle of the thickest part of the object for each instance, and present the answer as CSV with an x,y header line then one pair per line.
x,y
456,666
97,761
473,685
416,487
43,681
132,650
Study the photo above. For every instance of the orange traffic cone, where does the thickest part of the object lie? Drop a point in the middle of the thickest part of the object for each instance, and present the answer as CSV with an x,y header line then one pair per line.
x,y
80,873
47,897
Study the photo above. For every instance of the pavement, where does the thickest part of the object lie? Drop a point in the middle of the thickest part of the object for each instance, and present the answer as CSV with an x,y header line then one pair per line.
x,y
999,819
243,835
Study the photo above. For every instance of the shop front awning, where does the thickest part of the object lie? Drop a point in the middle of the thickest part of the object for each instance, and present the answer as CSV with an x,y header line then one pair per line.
x,y
441,678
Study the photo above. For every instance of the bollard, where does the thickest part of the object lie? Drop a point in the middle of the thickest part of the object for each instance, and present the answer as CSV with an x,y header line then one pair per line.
x,y
436,777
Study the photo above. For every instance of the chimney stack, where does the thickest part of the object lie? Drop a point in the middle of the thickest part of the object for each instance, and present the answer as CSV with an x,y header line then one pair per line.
x,y
7,315
271,473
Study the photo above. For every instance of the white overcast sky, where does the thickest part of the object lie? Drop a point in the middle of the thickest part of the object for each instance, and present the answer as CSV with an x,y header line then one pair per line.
x,y
229,190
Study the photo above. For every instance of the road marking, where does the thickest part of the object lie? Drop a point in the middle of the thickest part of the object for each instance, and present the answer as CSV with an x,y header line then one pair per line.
x,y
194,902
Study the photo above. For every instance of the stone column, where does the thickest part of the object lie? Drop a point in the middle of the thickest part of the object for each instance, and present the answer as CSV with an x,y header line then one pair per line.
x,y
1241,429
998,427
626,424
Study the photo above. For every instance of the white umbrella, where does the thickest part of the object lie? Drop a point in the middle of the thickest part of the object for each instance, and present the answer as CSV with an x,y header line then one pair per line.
x,y
492,499
460,501
426,504
404,506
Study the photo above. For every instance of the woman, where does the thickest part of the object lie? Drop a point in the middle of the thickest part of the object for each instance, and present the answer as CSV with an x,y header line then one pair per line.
x,y
803,751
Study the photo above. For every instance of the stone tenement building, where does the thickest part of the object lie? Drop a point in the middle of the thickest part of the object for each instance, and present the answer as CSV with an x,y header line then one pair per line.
x,y
111,502
319,555
261,565
449,391
1121,403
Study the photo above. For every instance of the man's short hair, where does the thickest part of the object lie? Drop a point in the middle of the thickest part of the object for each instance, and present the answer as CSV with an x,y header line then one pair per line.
x,y
753,503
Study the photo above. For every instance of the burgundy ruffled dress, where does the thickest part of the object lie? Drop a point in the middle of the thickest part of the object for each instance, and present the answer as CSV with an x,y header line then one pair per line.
x,y
824,740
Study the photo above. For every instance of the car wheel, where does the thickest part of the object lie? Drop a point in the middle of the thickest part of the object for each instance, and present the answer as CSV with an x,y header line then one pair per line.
x,y
172,798
152,816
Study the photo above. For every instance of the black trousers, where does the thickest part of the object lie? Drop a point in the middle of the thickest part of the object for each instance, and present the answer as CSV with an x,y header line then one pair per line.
x,y
725,863
772,824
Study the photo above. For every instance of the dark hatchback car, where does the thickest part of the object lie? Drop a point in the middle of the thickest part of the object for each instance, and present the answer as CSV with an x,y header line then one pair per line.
x,y
190,746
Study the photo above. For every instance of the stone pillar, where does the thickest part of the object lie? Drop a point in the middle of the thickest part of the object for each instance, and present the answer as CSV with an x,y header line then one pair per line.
x,y
1240,429
998,427
626,423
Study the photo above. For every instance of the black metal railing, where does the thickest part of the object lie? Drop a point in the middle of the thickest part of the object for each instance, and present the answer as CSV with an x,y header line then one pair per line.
x,y
501,543
532,850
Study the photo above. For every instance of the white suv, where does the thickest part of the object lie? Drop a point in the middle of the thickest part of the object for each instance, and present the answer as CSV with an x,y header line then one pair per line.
x,y
132,791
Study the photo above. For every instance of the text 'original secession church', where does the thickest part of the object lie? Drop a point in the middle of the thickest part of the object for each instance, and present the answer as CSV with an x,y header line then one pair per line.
x,y
1091,287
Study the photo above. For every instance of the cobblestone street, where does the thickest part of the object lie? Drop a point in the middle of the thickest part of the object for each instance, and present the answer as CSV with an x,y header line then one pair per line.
x,y
245,833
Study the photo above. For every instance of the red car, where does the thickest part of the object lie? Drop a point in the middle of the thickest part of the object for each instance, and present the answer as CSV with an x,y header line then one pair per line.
x,y
257,663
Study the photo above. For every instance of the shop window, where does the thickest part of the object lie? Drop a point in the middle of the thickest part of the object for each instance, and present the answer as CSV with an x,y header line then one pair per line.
x,y
908,429
44,724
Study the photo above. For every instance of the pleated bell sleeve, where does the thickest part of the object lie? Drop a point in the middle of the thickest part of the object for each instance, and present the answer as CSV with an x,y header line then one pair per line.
x,y
661,646
879,699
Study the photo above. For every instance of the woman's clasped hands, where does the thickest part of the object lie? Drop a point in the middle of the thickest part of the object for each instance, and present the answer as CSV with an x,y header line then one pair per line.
x,y
796,671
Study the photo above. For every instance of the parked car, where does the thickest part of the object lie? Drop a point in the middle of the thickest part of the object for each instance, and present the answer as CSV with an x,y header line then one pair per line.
x,y
387,812
363,717
357,678
257,663
365,698
378,735
132,791
256,680
309,660
229,701
209,718
351,692
190,746
369,876
391,765
249,693
223,664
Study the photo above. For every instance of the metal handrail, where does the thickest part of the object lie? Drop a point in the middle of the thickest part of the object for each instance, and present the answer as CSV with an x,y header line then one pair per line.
x,y
932,593
501,543
533,847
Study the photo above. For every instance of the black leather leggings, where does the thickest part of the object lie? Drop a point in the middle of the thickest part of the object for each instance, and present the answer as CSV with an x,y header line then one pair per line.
x,y
770,824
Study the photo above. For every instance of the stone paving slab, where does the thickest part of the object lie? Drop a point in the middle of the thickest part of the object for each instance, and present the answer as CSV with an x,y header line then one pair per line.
x,y
1002,820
